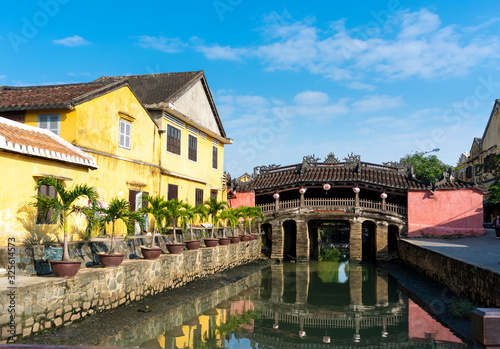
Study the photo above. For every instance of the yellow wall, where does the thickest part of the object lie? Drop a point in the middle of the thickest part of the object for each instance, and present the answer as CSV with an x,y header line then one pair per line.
x,y
18,186
201,169
67,126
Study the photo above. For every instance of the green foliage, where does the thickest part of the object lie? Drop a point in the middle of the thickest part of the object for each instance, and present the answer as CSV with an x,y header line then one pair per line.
x,y
425,167
65,204
157,207
461,309
329,254
213,208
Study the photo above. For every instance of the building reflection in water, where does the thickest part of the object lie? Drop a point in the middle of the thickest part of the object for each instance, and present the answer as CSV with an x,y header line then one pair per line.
x,y
318,304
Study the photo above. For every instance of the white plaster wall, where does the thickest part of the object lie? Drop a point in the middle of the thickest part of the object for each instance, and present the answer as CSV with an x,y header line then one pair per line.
x,y
194,104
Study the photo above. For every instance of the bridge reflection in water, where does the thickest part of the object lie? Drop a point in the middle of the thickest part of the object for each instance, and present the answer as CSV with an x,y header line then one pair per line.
x,y
302,305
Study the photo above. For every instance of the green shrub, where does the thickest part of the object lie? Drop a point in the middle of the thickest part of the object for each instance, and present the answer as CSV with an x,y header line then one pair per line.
x,y
461,309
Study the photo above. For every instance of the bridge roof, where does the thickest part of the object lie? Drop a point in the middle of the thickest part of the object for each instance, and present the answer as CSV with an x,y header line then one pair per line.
x,y
345,173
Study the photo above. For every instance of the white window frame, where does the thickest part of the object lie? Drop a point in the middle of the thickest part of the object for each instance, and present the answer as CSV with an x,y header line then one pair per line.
x,y
51,119
126,137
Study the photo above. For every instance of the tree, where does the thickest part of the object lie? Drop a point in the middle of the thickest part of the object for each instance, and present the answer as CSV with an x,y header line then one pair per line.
x,y
190,214
213,207
425,167
65,204
173,213
119,209
158,209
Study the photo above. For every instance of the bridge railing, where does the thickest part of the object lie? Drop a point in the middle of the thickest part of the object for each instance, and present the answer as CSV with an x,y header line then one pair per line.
x,y
334,202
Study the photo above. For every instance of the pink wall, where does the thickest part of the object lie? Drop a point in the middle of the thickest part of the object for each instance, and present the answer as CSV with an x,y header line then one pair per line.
x,y
241,198
423,326
446,212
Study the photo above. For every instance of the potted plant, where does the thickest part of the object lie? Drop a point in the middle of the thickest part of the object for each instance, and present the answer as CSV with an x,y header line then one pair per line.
x,y
188,217
174,211
157,207
213,207
255,213
245,213
59,209
233,219
223,217
118,209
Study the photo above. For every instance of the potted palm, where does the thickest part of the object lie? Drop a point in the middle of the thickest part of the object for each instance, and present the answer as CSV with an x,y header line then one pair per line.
x,y
255,213
223,217
213,207
60,208
157,207
174,211
188,217
233,219
245,212
118,209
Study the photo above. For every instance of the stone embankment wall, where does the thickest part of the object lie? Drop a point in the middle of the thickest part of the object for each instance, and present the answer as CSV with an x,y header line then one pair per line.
x,y
33,260
480,286
43,303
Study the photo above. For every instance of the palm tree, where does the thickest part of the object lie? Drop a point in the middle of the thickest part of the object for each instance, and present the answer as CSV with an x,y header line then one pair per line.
x,y
213,207
256,213
158,209
119,209
233,218
190,214
65,204
174,210
245,213
228,217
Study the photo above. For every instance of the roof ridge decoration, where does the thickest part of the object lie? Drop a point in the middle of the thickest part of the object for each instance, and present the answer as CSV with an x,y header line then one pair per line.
x,y
331,159
352,158
83,159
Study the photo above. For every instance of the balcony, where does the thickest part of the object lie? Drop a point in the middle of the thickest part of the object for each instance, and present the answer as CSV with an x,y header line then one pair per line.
x,y
329,203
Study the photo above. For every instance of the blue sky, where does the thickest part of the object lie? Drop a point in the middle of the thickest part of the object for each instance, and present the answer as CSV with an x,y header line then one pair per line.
x,y
290,78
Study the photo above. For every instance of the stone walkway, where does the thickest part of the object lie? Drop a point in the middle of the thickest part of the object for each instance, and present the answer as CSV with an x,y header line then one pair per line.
x,y
481,251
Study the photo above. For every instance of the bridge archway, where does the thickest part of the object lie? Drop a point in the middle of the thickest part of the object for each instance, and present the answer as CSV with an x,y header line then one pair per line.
x,y
267,242
368,235
325,235
392,238
290,240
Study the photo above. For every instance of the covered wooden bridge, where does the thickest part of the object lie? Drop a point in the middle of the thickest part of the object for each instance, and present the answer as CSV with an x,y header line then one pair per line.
x,y
363,206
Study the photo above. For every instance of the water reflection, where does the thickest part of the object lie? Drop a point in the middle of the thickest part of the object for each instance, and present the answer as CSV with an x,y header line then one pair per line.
x,y
317,304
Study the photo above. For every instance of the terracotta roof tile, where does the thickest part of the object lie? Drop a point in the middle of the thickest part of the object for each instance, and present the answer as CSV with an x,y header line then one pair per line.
x,y
342,173
43,97
33,141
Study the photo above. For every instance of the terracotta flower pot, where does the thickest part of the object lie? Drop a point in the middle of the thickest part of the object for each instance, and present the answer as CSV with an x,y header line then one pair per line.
x,y
176,248
235,239
211,242
193,245
245,237
65,269
224,241
253,237
151,253
111,260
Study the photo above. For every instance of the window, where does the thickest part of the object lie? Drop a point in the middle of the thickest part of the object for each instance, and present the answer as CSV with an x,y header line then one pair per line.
x,y
213,194
193,148
468,172
174,140
124,140
199,197
46,190
49,122
215,157
173,192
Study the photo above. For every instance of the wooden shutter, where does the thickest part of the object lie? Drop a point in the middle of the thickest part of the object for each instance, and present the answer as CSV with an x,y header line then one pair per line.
x,y
46,190
213,194
172,191
215,157
131,199
199,197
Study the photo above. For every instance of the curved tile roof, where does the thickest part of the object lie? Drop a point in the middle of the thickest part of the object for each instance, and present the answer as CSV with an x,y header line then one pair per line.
x,y
345,173
33,141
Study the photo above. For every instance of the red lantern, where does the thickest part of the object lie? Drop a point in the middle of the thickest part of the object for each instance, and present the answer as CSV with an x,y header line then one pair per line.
x,y
327,186
276,196
383,196
326,339
302,333
302,190
356,190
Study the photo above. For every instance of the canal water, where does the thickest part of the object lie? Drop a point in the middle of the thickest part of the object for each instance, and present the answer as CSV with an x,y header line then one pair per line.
x,y
296,305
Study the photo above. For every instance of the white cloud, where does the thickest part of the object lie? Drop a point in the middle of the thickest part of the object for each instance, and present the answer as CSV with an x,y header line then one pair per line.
x,y
356,85
377,102
161,43
311,97
410,44
72,41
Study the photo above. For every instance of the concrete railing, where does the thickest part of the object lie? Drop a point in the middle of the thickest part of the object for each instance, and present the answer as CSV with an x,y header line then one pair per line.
x,y
334,202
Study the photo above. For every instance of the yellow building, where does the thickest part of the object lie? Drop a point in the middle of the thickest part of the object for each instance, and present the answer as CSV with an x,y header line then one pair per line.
x,y
155,134
27,153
